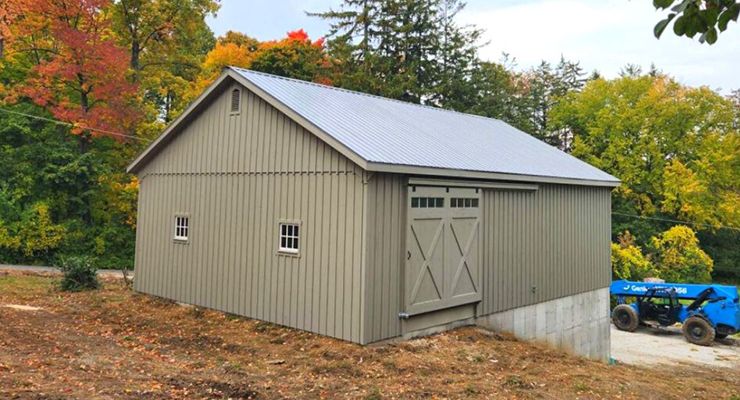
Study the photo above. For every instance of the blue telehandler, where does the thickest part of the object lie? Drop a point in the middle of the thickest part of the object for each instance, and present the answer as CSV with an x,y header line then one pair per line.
x,y
707,311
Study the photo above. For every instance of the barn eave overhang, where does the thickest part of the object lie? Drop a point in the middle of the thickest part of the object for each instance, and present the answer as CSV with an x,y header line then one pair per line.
x,y
229,75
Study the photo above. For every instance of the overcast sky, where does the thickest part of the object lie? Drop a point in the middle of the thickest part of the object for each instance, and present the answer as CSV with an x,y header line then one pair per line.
x,y
603,35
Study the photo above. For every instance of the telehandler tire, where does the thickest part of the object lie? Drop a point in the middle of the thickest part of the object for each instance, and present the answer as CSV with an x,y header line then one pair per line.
x,y
625,318
698,331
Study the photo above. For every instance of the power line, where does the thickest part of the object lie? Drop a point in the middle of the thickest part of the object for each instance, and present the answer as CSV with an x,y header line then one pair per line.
x,y
73,125
147,140
734,228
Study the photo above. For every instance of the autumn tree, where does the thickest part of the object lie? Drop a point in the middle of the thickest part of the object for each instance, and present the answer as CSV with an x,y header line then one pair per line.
x,y
678,257
240,39
79,73
151,28
9,11
232,49
295,56
675,148
628,260
166,41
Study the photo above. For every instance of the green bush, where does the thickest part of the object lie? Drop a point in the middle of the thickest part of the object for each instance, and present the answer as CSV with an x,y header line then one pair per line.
x,y
628,262
678,257
78,274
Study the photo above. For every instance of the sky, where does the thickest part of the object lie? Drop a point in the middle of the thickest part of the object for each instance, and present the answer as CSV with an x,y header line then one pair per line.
x,y
603,35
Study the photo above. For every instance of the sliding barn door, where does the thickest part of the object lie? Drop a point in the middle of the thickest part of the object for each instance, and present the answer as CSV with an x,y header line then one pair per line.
x,y
443,248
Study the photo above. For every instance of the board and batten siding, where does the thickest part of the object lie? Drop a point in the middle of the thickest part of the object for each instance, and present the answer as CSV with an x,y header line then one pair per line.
x,y
236,177
545,244
555,239
386,237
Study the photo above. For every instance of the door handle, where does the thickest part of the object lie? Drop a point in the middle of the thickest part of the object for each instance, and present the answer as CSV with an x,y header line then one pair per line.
x,y
408,254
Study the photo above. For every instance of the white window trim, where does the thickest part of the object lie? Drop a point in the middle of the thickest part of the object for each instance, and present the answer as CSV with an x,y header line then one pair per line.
x,y
288,251
231,101
179,238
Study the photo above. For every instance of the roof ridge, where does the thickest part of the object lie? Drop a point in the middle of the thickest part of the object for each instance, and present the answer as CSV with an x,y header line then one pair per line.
x,y
340,89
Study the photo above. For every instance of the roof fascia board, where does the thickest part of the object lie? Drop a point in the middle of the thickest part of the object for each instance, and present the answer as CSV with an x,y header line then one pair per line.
x,y
300,120
496,176
186,115
471,184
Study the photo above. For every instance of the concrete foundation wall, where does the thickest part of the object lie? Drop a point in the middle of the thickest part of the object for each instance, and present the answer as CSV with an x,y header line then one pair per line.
x,y
578,323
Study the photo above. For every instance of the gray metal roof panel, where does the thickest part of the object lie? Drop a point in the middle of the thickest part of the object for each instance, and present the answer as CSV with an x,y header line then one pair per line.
x,y
387,131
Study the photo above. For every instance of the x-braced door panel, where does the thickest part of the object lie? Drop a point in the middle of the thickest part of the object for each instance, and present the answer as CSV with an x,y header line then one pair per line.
x,y
443,248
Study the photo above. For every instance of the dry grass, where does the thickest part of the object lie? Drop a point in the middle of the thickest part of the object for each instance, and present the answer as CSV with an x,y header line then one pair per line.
x,y
113,343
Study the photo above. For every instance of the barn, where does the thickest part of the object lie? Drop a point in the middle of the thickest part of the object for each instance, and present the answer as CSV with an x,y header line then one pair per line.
x,y
366,219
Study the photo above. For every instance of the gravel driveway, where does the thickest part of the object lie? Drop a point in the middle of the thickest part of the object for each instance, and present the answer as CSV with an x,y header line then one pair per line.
x,y
668,346
103,273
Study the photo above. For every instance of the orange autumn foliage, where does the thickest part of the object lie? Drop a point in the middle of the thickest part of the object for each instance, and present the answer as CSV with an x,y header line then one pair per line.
x,y
293,56
9,11
79,72
301,36
227,54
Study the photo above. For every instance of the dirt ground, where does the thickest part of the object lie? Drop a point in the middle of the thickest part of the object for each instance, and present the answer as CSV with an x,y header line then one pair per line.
x,y
113,343
668,346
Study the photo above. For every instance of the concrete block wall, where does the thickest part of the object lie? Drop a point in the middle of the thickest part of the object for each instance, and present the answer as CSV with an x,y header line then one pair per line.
x,y
578,324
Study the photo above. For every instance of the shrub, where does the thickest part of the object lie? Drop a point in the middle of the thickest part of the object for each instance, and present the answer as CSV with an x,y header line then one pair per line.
x,y
628,262
678,257
79,273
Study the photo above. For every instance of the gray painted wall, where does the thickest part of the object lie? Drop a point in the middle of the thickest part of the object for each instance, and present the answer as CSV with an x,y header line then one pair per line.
x,y
237,176
555,238
386,245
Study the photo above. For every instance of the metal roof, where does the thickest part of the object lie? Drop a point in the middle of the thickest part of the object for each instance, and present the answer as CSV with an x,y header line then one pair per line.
x,y
395,133
386,135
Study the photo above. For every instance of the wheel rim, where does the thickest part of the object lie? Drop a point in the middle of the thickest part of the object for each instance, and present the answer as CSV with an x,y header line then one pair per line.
x,y
696,331
623,317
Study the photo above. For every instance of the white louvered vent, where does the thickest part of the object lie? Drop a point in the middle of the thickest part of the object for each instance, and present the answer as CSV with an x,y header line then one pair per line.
x,y
236,97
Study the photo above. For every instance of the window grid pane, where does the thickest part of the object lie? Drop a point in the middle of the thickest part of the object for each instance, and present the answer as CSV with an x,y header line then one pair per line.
x,y
289,238
464,202
181,228
427,202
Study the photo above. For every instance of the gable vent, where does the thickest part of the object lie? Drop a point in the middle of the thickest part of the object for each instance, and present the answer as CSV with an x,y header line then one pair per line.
x,y
235,100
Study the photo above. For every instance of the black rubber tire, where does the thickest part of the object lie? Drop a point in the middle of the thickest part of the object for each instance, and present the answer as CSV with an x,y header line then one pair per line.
x,y
719,335
625,318
698,331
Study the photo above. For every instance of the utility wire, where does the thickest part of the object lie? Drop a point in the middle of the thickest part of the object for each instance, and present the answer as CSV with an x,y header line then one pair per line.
x,y
147,140
734,228
73,125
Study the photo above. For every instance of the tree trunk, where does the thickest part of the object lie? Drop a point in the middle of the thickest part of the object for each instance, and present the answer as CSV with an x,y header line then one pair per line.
x,y
135,52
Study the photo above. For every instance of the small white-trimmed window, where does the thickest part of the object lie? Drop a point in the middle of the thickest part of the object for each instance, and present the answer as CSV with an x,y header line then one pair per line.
x,y
427,202
289,237
182,227
464,202
236,101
